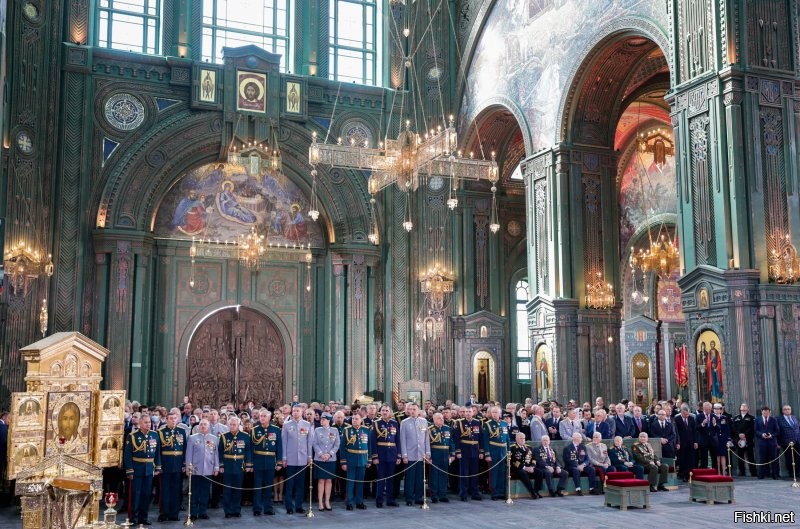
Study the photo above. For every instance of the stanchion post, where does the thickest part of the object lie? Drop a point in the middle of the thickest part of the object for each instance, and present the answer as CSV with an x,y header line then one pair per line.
x,y
310,513
509,501
795,484
729,460
189,522
425,505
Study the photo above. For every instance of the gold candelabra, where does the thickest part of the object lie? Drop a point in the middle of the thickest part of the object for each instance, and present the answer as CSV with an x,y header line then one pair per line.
x,y
599,294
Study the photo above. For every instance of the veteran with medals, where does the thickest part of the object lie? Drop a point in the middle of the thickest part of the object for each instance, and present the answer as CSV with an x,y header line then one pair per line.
x,y
523,466
142,458
265,439
234,454
467,435
495,447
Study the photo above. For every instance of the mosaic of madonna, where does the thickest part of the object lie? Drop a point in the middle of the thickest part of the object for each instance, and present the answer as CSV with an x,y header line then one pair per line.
x,y
222,201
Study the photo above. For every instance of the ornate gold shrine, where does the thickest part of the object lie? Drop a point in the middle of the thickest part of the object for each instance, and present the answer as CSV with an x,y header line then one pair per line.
x,y
63,431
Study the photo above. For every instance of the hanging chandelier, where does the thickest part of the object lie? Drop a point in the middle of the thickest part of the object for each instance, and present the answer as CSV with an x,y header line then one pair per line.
x,y
23,266
659,143
599,294
437,285
250,248
784,266
662,257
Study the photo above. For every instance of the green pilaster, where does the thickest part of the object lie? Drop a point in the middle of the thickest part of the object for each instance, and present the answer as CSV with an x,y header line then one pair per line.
x,y
180,40
468,229
371,382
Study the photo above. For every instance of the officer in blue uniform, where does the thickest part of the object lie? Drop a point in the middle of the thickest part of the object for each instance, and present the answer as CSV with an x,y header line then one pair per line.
x,y
355,441
234,460
495,446
173,450
467,437
267,448
385,449
142,458
202,461
443,452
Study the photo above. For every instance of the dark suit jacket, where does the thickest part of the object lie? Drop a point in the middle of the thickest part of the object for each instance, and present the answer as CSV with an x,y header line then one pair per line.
x,y
705,434
551,422
624,427
3,444
686,435
770,427
668,433
540,455
604,429
744,424
575,456
645,420
788,433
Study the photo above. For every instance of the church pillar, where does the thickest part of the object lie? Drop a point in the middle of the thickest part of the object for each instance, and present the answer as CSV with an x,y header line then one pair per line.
x,y
766,318
338,331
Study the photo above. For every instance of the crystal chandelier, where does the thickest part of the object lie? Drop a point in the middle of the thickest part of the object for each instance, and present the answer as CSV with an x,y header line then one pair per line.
x,y
662,257
599,294
251,248
784,266
659,143
437,285
23,266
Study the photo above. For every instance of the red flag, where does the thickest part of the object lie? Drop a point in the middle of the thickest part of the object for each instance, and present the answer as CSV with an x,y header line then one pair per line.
x,y
681,367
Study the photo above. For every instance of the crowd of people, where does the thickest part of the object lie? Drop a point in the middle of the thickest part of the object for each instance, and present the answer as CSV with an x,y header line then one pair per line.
x,y
260,456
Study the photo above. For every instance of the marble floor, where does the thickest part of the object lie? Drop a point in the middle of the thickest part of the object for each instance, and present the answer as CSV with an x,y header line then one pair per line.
x,y
669,510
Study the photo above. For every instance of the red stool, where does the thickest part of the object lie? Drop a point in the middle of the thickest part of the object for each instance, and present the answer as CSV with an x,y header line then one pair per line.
x,y
711,488
623,490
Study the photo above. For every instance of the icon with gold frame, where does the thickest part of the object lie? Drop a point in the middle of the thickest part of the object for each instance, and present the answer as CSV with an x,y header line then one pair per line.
x,y
29,408
69,416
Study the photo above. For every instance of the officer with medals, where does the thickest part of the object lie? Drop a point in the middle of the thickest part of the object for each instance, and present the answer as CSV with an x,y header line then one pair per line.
x,y
443,452
495,446
384,446
355,440
142,458
297,455
202,460
234,460
339,485
326,456
173,450
523,466
467,436
265,439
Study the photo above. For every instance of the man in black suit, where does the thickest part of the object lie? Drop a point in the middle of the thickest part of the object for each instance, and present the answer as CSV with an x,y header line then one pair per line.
x,y
624,426
685,442
640,422
552,424
790,433
767,432
743,432
662,427
705,437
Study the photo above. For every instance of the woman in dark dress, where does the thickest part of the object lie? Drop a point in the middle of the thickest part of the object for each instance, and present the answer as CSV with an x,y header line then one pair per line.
x,y
721,427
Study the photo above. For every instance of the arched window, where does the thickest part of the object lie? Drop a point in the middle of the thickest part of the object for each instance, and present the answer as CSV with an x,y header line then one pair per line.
x,y
521,330
232,23
354,40
129,25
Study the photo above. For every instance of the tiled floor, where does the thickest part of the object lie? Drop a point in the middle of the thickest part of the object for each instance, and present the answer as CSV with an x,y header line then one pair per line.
x,y
669,510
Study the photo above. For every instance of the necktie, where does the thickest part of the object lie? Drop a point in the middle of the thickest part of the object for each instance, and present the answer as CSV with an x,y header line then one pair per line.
x,y
791,422
638,423
548,453
686,421
662,425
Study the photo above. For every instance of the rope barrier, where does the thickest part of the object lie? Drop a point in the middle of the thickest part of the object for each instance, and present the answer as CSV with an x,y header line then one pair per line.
x,y
410,464
760,464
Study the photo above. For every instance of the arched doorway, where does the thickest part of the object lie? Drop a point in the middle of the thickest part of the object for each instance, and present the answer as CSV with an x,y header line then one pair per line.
x,y
483,372
236,355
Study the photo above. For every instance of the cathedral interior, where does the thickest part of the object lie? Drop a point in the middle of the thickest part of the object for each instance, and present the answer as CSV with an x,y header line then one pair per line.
x,y
555,199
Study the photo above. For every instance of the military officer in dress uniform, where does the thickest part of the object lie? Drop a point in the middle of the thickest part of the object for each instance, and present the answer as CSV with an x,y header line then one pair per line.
x,y
743,430
495,447
339,485
297,453
523,466
202,461
547,462
173,450
265,439
644,455
443,452
355,460
467,436
384,438
325,442
235,459
415,450
142,458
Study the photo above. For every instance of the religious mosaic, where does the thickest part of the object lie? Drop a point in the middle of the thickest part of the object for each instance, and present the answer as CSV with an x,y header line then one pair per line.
x,y
222,201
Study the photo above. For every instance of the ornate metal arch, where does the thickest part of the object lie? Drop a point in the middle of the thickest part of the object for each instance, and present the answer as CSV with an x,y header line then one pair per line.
x,y
631,26
509,105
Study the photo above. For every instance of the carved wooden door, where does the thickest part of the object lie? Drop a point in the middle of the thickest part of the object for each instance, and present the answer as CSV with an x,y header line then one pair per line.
x,y
236,356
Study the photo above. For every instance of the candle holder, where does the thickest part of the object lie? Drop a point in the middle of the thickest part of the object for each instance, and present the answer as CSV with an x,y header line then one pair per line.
x,y
110,514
